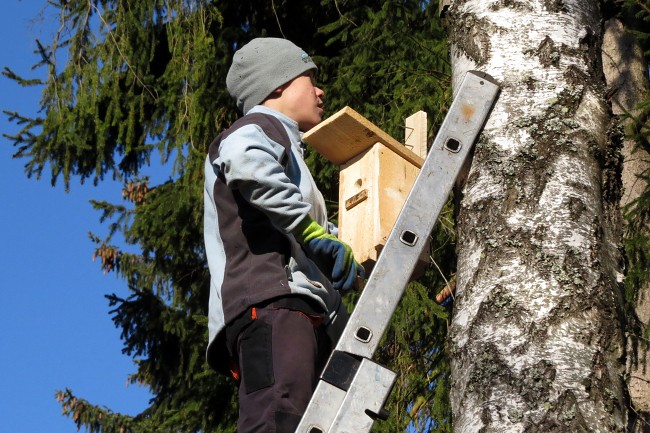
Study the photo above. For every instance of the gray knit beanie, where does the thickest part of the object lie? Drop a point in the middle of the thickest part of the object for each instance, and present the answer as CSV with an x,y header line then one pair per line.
x,y
263,65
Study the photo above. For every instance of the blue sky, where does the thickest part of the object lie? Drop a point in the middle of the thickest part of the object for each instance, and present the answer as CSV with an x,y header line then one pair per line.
x,y
55,330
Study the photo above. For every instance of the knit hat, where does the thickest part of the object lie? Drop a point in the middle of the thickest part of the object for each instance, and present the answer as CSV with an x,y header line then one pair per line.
x,y
263,65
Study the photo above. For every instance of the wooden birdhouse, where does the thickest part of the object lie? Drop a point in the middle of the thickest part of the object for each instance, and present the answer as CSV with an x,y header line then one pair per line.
x,y
376,175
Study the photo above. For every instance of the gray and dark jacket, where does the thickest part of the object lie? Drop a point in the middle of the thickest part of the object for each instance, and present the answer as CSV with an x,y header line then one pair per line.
x,y
257,189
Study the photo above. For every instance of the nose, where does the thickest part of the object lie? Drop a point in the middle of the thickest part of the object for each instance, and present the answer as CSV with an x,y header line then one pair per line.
x,y
319,92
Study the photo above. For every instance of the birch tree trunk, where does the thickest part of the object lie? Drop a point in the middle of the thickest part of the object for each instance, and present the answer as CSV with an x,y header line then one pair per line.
x,y
626,73
536,335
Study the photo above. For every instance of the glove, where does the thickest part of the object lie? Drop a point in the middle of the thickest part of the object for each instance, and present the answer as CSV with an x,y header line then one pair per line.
x,y
332,256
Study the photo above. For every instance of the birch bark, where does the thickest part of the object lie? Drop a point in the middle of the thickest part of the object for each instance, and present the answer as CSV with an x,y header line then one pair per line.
x,y
626,74
535,340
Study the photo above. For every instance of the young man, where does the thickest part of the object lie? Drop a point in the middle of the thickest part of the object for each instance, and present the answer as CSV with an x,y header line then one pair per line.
x,y
276,265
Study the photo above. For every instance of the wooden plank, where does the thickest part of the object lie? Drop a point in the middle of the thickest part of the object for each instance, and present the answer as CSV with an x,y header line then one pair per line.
x,y
347,133
415,134
359,225
394,182
373,187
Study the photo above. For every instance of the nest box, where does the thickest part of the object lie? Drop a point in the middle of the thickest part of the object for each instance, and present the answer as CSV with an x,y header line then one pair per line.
x,y
376,175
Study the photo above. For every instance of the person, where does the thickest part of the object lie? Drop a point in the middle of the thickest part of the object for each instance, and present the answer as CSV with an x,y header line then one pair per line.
x,y
276,265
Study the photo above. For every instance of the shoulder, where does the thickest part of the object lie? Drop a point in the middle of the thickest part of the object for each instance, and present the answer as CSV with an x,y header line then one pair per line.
x,y
250,142
267,124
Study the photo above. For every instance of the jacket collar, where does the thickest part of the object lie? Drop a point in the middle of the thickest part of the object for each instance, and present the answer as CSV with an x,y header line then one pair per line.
x,y
290,124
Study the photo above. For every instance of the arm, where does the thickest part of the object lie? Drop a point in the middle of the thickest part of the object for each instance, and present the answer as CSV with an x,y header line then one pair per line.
x,y
333,256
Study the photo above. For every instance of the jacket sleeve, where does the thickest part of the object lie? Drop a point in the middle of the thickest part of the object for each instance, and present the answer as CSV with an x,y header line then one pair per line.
x,y
250,163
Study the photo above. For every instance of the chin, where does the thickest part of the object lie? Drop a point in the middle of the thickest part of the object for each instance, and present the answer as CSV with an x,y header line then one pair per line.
x,y
307,125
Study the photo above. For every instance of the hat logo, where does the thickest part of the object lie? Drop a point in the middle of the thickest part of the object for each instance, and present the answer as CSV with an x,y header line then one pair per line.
x,y
305,57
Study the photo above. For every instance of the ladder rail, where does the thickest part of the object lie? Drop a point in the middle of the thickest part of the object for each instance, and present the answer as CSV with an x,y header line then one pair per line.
x,y
418,216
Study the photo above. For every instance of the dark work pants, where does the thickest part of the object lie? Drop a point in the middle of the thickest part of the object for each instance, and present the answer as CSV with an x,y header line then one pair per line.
x,y
280,354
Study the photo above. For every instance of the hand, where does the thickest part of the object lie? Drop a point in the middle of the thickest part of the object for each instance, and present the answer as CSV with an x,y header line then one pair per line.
x,y
331,255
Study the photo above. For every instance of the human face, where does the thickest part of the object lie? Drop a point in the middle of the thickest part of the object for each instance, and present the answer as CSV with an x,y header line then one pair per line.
x,y
302,101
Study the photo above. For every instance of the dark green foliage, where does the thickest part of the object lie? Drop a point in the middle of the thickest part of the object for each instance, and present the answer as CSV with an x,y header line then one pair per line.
x,y
638,12
392,63
130,83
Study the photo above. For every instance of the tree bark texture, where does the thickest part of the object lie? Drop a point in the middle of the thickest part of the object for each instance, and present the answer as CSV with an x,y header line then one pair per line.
x,y
626,73
535,340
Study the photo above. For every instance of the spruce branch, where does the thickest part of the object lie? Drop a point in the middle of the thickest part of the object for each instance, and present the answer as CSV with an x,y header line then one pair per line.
x,y
136,76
